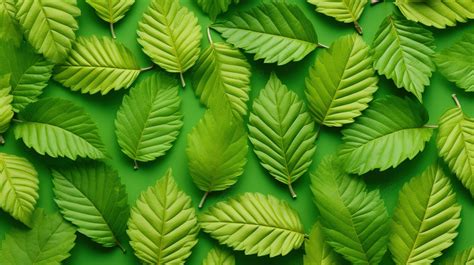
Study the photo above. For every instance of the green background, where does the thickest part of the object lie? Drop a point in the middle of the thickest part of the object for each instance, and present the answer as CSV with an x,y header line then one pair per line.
x,y
437,99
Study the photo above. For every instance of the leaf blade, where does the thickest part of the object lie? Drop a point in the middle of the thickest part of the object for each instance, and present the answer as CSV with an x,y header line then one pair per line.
x,y
111,10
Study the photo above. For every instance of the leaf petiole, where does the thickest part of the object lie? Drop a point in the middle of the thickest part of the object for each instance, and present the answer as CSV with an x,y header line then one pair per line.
x,y
323,46
456,100
209,37
358,27
183,82
120,246
112,30
204,197
293,194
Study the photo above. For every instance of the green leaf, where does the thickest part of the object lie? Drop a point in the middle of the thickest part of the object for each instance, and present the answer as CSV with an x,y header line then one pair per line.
x,y
282,133
48,242
341,82
98,65
215,7
170,35
456,63
59,128
455,143
402,51
6,109
464,257
163,226
30,73
111,10
223,74
354,220
347,11
18,187
256,223
218,256
149,120
317,251
437,14
390,131
425,219
285,36
9,29
49,26
90,196
217,150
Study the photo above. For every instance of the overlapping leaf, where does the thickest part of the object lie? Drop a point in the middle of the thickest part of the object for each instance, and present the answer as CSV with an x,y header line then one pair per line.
x,y
9,28
111,10
341,82
90,196
215,7
49,26
403,52
255,223
464,257
163,226
317,251
282,133
425,219
59,128
284,36
354,220
6,109
390,131
218,256
223,74
347,11
98,65
18,187
149,120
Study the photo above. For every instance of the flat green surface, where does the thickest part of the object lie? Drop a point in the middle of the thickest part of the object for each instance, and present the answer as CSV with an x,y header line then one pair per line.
x,y
437,99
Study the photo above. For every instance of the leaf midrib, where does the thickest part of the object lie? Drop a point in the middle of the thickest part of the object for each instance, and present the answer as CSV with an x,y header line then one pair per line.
x,y
258,225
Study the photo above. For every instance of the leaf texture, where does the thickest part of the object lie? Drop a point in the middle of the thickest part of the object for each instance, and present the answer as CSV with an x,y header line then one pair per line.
x,y
149,120
390,131
98,65
218,256
347,11
282,133
255,223
18,187
403,52
6,109
341,82
317,251
465,257
215,7
90,196
59,128
111,10
9,29
163,226
49,26
278,32
425,219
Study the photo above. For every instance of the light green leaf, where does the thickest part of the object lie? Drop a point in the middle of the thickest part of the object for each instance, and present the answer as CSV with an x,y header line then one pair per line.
x,y
425,219
18,187
6,109
465,257
437,14
354,220
49,26
285,36
456,63
282,133
455,143
170,35
218,256
111,10
9,29
90,196
223,74
30,73
255,223
317,250
402,51
389,132
217,150
59,128
149,120
98,65
341,82
47,243
347,11
215,7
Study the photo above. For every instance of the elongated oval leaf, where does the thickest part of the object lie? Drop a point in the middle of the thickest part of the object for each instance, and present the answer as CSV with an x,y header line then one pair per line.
x,y
282,133
18,187
354,220
6,109
341,82
284,36
149,120
90,196
464,257
48,242
255,223
317,250
223,74
111,10
402,51
215,7
218,256
97,65
163,226
389,132
49,26
347,11
58,127
425,219
9,29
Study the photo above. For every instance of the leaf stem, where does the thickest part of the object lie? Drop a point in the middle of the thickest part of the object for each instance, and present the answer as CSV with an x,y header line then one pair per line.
x,y
147,68
358,27
204,197
135,165
456,100
120,246
181,76
209,37
16,120
293,194
320,45
430,126
374,2
2,140
112,30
